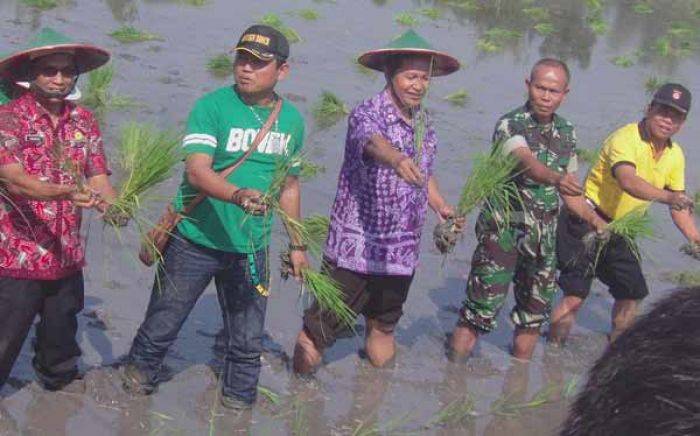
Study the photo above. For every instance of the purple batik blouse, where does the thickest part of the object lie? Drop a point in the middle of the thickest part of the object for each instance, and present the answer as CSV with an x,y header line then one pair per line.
x,y
377,218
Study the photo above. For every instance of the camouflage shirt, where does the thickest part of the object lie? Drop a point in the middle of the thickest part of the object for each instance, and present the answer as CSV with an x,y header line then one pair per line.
x,y
553,144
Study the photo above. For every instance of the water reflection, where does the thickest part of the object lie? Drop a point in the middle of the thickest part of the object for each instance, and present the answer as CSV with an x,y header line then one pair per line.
x,y
123,11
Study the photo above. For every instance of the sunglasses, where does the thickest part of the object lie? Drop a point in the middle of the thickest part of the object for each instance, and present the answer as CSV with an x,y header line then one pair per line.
x,y
51,71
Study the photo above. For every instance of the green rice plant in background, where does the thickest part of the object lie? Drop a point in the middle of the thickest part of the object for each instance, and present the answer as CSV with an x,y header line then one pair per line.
x,y
273,20
194,2
362,69
406,19
544,29
623,61
653,83
146,158
41,4
687,278
328,110
537,14
680,40
130,34
495,39
568,390
220,65
595,18
308,14
98,96
509,406
643,8
458,98
588,155
457,412
430,13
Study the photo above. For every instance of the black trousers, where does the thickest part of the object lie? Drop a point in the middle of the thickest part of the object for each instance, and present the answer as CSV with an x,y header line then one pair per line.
x,y
57,302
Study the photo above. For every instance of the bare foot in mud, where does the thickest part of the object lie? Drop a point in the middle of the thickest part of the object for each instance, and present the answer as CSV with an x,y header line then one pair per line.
x,y
462,342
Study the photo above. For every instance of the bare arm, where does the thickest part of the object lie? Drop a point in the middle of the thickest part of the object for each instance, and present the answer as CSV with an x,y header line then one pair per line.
x,y
202,177
631,183
685,222
382,151
20,183
290,203
540,173
435,199
577,204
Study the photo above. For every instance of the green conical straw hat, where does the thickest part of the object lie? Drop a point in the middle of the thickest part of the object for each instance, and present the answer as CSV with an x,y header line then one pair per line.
x,y
46,42
410,43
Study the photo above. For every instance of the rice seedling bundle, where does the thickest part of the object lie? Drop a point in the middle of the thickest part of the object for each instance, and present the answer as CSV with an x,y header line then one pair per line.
x,y
130,34
41,4
643,8
146,158
308,14
328,110
544,29
458,98
623,61
329,296
220,65
459,411
275,21
309,170
687,278
406,19
631,227
430,13
495,39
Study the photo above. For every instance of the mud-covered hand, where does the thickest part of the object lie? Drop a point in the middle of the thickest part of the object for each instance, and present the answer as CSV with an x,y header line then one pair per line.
x,y
298,262
250,200
86,199
408,170
448,212
115,216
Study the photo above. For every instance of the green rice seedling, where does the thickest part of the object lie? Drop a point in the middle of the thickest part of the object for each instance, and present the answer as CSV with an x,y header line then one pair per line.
x,y
328,110
457,412
588,155
508,406
631,227
458,98
568,390
275,21
316,230
430,13
370,427
537,14
406,19
490,182
194,2
687,278
300,424
495,39
544,29
328,295
146,158
623,61
310,170
220,65
643,8
130,34
653,83
308,14
44,5
271,396
97,95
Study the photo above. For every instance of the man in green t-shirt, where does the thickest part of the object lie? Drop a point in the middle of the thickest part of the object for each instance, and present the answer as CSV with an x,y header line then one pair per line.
x,y
225,237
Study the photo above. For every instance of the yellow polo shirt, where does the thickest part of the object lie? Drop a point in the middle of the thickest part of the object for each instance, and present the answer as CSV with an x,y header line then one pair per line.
x,y
630,144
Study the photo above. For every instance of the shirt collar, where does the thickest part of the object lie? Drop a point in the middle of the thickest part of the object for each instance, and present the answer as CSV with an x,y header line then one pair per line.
x,y
646,136
28,103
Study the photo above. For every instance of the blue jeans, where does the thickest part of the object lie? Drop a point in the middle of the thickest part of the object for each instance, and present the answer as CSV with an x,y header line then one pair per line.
x,y
186,270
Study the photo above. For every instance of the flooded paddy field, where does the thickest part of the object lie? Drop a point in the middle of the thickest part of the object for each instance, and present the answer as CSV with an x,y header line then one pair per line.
x,y
616,50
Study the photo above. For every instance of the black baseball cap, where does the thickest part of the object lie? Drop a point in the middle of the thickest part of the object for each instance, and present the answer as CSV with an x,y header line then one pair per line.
x,y
673,95
264,42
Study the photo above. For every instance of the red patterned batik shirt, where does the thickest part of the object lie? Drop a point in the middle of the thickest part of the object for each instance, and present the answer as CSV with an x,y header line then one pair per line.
x,y
40,240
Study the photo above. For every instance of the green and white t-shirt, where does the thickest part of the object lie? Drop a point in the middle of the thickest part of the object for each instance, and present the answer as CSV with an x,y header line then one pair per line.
x,y
223,126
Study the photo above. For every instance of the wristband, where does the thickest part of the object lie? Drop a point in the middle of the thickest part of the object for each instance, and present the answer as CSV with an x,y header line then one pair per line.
x,y
300,247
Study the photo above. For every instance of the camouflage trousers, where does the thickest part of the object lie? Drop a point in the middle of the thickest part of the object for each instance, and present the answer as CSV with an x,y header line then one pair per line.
x,y
523,252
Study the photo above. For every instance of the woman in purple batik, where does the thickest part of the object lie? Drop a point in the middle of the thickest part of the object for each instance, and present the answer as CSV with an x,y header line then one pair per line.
x,y
385,185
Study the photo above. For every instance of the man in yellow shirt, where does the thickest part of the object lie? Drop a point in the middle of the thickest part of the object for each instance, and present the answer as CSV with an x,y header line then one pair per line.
x,y
638,164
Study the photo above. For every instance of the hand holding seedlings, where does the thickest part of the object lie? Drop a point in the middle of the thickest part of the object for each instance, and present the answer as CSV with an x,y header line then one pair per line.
x,y
408,170
250,200
679,201
297,262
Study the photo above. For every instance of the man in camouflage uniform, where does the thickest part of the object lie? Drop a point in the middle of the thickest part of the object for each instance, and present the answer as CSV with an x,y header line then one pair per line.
x,y
523,249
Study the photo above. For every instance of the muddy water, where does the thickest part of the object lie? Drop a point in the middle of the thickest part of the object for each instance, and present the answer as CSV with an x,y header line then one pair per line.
x,y
165,77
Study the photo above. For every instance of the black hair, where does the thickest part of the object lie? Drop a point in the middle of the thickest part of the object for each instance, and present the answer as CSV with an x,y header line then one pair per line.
x,y
648,381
